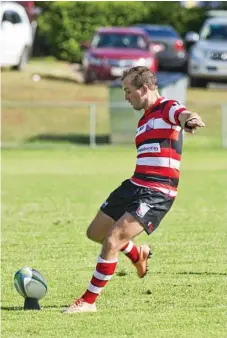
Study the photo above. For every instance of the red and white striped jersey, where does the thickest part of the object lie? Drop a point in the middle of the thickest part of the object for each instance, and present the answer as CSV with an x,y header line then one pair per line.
x,y
158,141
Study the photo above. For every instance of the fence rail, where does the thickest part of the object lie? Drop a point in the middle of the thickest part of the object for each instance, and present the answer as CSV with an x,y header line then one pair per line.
x,y
114,110
92,106
67,104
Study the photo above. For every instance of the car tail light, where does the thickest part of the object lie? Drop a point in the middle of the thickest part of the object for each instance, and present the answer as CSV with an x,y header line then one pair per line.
x,y
179,46
157,47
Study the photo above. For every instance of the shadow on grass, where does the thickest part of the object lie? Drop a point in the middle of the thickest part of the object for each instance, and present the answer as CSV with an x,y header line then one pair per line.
x,y
71,138
21,308
59,78
12,308
193,273
202,273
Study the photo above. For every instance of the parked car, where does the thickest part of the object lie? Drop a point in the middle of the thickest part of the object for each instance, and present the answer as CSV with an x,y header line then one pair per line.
x,y
208,56
168,46
16,35
114,49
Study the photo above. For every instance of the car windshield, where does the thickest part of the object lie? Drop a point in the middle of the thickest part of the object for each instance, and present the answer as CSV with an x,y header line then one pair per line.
x,y
161,33
214,32
116,40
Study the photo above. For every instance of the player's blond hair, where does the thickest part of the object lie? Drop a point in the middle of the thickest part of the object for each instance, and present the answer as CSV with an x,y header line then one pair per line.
x,y
141,76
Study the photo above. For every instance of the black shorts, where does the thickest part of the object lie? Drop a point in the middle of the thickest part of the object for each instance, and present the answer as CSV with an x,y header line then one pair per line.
x,y
146,205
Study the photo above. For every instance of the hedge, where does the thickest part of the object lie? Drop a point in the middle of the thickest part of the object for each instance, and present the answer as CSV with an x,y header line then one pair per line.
x,y
63,25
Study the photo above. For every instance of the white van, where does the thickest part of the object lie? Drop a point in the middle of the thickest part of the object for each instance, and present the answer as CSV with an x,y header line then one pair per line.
x,y
16,36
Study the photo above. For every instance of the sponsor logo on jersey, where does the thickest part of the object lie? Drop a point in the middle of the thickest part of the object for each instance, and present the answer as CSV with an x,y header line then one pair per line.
x,y
149,148
141,129
143,209
150,125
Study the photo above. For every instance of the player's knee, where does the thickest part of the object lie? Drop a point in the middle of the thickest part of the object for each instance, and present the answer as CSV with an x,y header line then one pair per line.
x,y
112,244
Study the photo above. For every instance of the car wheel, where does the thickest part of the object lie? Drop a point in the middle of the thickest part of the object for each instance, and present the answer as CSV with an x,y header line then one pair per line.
x,y
23,60
89,77
198,83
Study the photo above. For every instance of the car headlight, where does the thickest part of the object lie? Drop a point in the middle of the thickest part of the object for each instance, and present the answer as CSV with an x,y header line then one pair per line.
x,y
146,62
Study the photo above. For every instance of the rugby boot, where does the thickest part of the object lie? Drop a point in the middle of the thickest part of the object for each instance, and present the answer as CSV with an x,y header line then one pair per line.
x,y
142,263
79,305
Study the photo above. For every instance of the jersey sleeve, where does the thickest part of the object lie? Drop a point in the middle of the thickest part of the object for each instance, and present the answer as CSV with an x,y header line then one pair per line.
x,y
171,112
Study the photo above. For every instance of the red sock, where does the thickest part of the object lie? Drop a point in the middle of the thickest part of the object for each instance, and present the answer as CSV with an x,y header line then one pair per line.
x,y
131,251
103,273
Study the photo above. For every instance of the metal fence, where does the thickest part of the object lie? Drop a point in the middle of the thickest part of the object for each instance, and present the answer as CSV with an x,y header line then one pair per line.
x,y
121,119
224,126
91,107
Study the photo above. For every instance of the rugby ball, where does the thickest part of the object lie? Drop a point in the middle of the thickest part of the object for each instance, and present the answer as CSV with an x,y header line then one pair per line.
x,y
30,283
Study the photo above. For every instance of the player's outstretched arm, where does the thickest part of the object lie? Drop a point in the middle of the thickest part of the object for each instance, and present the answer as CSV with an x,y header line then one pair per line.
x,y
190,121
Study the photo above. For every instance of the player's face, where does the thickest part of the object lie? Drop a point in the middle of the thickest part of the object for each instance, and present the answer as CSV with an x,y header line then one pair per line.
x,y
133,95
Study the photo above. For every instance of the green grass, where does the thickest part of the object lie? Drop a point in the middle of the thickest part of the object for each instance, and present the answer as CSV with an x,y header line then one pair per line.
x,y
23,125
50,196
56,92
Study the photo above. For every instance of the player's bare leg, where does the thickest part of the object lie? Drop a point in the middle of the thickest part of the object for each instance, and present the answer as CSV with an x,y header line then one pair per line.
x,y
99,227
139,255
122,231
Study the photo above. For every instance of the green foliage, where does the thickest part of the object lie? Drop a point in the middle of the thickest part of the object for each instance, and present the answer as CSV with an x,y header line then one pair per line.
x,y
182,19
67,23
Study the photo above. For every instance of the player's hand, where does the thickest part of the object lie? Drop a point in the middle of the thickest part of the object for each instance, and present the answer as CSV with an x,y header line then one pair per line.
x,y
193,123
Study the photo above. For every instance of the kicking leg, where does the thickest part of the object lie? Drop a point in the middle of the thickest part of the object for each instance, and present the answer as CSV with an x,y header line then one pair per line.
x,y
97,232
139,256
122,231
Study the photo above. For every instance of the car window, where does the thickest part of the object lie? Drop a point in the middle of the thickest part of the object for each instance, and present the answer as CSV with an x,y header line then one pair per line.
x,y
214,32
106,40
11,16
161,33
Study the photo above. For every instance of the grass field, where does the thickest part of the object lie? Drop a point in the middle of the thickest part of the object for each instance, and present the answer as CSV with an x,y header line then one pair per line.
x,y
57,119
56,91
49,197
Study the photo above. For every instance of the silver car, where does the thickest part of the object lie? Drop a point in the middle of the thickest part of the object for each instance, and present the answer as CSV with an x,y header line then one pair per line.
x,y
208,56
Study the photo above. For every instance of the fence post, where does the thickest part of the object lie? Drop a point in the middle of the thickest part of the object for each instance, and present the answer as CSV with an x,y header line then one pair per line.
x,y
224,126
92,133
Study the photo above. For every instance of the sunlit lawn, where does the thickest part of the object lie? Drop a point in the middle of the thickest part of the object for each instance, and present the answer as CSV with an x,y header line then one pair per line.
x,y
50,195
